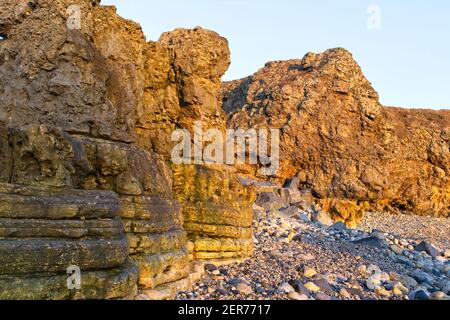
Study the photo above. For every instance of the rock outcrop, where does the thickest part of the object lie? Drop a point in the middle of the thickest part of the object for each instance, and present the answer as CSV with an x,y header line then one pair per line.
x,y
341,143
45,230
71,85
183,71
87,112
217,211
87,108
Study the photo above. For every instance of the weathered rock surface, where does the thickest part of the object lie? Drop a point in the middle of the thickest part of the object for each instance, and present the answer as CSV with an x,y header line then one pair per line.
x,y
217,211
182,77
72,85
82,78
182,81
339,141
115,283
158,243
43,232
87,108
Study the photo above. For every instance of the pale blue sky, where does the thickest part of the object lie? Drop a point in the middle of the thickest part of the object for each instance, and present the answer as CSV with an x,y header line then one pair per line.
x,y
407,60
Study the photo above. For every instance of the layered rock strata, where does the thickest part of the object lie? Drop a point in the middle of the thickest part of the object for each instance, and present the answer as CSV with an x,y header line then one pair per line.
x,y
217,211
44,231
71,75
87,108
183,71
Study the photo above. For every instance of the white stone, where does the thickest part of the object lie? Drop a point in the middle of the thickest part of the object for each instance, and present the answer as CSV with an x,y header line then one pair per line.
x,y
377,279
371,269
297,296
372,283
404,242
286,288
244,289
396,249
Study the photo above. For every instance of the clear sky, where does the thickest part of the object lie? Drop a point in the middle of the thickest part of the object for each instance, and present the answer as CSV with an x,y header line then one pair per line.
x,y
403,46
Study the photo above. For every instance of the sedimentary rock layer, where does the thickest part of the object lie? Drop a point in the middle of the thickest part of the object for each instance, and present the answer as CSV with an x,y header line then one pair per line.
x,y
114,283
182,76
45,232
217,211
72,86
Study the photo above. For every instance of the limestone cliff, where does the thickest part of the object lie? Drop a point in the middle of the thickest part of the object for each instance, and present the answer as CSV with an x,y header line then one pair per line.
x,y
68,110
336,137
87,107
183,71
87,112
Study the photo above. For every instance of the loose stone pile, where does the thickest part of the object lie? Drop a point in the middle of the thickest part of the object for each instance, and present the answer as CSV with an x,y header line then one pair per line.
x,y
296,258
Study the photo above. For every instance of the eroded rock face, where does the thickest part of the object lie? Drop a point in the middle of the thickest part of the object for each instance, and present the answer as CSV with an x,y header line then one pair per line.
x,y
87,108
81,77
182,80
183,71
341,142
71,85
217,211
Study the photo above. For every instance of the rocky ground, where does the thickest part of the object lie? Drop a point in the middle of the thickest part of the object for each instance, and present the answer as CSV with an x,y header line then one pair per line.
x,y
387,257
436,230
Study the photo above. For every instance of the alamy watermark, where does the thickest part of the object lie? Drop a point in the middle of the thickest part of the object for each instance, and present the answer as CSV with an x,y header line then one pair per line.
x,y
74,19
74,278
232,147
374,19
